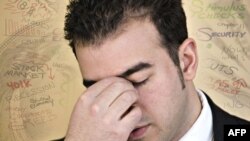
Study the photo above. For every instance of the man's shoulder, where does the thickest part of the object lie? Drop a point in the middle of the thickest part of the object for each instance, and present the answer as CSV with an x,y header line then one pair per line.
x,y
222,118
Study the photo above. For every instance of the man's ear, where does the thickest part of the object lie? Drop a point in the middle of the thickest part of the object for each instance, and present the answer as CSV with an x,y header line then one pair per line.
x,y
188,59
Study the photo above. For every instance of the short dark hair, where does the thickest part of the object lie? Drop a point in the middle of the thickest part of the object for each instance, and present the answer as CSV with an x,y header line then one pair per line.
x,y
90,21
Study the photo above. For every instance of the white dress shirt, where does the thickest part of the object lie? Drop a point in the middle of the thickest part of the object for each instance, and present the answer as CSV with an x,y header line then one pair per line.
x,y
202,129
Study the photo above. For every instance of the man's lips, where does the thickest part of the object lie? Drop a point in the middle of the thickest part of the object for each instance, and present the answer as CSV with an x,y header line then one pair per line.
x,y
138,132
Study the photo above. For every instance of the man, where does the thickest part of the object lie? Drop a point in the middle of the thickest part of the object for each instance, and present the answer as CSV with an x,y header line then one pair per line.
x,y
138,65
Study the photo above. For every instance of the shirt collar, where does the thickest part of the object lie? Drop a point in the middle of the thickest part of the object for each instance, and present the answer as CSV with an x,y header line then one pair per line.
x,y
202,129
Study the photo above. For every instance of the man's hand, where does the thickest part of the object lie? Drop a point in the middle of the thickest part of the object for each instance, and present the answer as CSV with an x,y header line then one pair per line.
x,y
105,112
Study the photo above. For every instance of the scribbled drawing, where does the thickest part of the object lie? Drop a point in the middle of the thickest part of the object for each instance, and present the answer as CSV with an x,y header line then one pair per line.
x,y
42,116
244,98
231,25
17,36
32,69
51,75
16,123
43,88
222,83
234,103
28,57
208,34
43,100
217,10
24,69
237,53
240,83
32,29
32,10
216,65
230,87
31,44
19,84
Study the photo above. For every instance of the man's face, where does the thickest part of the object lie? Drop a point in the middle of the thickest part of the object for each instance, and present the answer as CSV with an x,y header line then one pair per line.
x,y
154,75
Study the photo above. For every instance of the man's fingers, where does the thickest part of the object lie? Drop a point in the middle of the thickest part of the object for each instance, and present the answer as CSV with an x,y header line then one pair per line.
x,y
90,94
111,94
132,118
105,109
120,107
96,89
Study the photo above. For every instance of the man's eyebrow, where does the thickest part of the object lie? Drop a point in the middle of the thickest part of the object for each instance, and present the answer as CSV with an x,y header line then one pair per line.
x,y
138,67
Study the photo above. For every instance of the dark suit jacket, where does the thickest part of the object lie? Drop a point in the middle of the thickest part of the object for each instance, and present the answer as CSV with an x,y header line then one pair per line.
x,y
220,118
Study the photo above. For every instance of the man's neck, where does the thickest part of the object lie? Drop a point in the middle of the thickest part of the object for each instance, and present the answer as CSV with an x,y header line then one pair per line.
x,y
193,110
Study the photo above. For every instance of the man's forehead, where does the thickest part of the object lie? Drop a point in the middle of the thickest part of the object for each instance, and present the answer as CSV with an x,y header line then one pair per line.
x,y
98,38
123,71
132,36
142,25
115,55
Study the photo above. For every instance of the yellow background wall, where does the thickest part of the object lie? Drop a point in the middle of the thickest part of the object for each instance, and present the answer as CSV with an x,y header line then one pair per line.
x,y
40,78
221,29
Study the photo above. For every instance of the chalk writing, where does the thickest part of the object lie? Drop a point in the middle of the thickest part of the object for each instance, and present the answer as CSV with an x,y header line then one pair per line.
x,y
15,126
29,70
244,98
29,75
32,29
217,66
28,67
32,92
31,43
43,88
17,36
230,87
232,50
31,10
240,83
60,65
29,57
233,104
41,101
19,84
237,101
231,25
51,75
235,53
223,85
34,118
207,34
233,10
49,116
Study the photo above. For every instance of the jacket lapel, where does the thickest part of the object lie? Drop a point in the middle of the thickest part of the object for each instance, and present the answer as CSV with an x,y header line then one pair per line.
x,y
221,118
